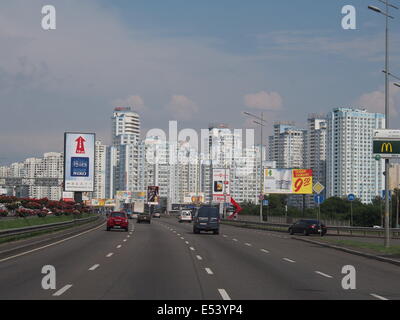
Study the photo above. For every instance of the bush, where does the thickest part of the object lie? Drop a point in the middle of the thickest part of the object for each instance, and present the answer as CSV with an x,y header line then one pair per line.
x,y
41,213
3,213
12,206
33,205
23,213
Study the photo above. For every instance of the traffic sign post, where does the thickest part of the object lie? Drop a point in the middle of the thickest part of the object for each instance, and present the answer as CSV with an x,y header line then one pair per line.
x,y
351,198
319,198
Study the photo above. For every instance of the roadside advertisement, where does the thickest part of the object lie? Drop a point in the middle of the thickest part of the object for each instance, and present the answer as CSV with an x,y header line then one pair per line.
x,y
153,194
302,181
194,197
124,195
79,151
141,196
288,181
221,185
278,181
67,196
138,207
109,203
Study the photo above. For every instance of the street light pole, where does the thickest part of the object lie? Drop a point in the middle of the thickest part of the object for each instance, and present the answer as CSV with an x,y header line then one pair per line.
x,y
387,73
261,124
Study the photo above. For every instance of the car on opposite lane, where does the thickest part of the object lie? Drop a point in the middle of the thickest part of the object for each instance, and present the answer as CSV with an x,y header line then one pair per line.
x,y
117,220
308,227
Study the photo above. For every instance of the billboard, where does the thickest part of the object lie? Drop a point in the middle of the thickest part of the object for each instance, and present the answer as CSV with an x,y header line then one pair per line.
x,y
278,181
194,197
67,196
79,151
302,181
288,181
153,194
124,195
386,143
221,186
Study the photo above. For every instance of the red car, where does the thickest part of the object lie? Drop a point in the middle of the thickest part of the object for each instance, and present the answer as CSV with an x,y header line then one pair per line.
x,y
117,220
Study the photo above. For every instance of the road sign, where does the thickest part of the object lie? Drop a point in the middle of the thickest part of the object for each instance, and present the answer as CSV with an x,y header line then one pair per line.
x,y
319,199
384,194
266,203
318,187
351,197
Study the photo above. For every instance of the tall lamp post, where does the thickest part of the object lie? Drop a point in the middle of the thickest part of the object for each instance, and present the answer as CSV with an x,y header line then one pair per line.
x,y
261,122
387,16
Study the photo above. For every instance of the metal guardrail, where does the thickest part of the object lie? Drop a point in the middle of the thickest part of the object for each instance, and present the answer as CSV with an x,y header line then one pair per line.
x,y
332,230
43,227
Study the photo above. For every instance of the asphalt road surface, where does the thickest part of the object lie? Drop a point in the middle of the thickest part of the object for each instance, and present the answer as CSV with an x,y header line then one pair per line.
x,y
164,260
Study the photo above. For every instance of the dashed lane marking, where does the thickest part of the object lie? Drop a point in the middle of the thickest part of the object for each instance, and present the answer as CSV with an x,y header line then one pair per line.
x,y
62,290
94,267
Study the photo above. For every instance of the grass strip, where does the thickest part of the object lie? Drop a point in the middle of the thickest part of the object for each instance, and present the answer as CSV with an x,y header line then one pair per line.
x,y
376,247
35,221
38,233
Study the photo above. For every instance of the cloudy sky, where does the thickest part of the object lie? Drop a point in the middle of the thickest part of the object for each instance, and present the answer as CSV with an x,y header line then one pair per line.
x,y
195,61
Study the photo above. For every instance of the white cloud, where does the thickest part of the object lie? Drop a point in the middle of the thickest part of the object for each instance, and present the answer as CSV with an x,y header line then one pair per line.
x,y
135,102
181,108
375,101
264,100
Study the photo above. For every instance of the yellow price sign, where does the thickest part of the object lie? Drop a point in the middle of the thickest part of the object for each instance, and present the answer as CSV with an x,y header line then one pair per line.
x,y
302,181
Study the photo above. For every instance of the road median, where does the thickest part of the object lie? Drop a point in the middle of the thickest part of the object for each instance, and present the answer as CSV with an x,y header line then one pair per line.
x,y
360,248
16,244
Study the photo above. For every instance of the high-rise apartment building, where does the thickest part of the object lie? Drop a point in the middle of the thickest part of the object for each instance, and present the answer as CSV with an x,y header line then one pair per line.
x,y
100,171
351,167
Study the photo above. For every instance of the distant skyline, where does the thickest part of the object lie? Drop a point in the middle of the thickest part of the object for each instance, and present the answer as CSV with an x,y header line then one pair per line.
x,y
197,62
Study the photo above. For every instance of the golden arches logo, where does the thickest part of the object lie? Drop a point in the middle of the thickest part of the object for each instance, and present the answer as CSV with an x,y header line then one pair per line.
x,y
387,147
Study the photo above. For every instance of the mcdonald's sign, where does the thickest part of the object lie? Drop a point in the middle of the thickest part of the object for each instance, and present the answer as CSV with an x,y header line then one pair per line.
x,y
388,148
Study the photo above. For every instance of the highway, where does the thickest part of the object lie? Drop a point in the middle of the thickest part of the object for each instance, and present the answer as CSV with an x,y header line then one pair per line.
x,y
166,261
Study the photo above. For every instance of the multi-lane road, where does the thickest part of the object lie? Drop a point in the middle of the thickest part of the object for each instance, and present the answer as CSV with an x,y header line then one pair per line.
x,y
166,261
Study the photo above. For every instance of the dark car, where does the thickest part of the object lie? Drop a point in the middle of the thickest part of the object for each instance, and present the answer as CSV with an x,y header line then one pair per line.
x,y
308,227
144,217
117,220
206,219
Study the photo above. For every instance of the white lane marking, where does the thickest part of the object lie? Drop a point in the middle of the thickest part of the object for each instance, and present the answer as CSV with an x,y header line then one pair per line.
x,y
209,271
174,231
225,236
125,240
178,234
199,258
94,267
187,242
248,244
236,240
52,244
224,294
62,290
128,236
109,255
323,274
191,248
379,297
119,246
265,251
182,238
289,260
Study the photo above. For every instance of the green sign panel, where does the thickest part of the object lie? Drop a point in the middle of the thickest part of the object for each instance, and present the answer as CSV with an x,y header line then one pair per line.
x,y
387,147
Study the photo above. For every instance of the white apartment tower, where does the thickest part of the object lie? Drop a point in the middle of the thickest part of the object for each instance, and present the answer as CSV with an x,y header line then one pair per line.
x,y
315,147
125,123
351,167
100,171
